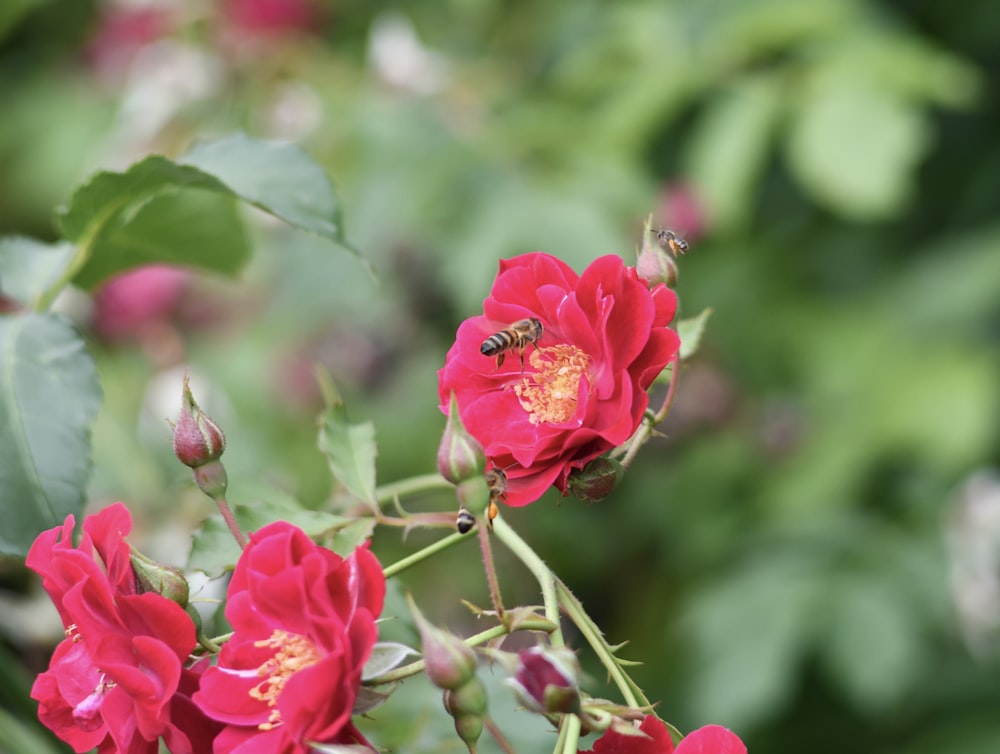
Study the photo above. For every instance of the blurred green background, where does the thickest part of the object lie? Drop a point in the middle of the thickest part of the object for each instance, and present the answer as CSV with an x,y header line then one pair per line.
x,y
811,554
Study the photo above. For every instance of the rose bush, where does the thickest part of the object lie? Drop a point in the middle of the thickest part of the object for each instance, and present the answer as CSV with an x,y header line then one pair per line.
x,y
582,389
304,624
117,682
711,739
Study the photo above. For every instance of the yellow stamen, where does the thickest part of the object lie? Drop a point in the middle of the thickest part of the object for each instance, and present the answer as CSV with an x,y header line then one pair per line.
x,y
292,653
549,393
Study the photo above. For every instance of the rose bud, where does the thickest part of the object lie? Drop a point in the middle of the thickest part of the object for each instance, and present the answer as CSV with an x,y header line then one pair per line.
x,y
467,704
151,576
655,264
448,661
596,480
197,439
460,455
547,680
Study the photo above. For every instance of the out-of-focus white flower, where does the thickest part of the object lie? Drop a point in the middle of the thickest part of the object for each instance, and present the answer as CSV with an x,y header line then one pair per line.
x,y
973,537
401,60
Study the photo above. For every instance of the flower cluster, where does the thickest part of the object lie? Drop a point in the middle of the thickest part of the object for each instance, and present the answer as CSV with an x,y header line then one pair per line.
x,y
120,679
303,620
581,389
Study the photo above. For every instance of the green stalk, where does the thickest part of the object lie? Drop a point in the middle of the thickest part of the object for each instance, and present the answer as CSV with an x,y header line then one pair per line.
x,y
423,483
630,692
546,579
475,640
420,555
571,726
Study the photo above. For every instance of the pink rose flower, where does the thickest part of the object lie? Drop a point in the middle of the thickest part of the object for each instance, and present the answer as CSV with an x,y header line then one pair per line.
x,y
304,624
582,389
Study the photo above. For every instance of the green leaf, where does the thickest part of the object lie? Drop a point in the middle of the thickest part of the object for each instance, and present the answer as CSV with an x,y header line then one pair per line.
x,y
277,177
49,396
856,148
183,212
350,450
12,11
873,649
691,331
156,211
28,267
385,656
214,551
724,163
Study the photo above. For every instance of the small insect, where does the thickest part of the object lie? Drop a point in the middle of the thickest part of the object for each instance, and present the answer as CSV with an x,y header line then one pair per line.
x,y
669,239
496,480
465,520
518,336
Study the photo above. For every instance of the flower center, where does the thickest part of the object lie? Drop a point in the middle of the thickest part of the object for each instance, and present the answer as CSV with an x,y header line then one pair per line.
x,y
549,393
292,653
87,714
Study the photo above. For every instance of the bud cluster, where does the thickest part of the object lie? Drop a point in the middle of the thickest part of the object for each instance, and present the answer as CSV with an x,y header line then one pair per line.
x,y
450,664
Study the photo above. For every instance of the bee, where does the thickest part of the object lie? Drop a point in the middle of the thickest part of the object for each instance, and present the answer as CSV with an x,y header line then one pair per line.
x,y
669,239
496,482
518,336
465,520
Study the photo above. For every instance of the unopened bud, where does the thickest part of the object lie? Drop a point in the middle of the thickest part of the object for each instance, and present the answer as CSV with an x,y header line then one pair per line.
x,y
474,495
655,264
467,699
197,439
467,705
460,455
469,728
448,661
151,576
547,680
596,480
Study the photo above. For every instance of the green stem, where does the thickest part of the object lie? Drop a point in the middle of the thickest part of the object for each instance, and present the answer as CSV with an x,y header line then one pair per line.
x,y
423,483
398,674
490,568
230,519
498,736
645,430
411,560
546,579
630,692
571,724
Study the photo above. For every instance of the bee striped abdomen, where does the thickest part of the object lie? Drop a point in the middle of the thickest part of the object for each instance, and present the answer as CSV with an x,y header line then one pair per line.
x,y
465,520
518,336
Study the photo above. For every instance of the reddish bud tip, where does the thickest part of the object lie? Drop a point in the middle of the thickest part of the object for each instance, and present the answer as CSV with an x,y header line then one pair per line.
x,y
460,455
197,439
596,480
448,661
547,680
151,576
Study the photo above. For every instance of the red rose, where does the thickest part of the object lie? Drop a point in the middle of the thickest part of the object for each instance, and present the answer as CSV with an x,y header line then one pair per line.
x,y
582,390
303,623
712,739
115,681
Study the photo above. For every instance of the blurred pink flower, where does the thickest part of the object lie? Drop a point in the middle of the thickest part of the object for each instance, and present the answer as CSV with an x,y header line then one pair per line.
x,y
680,210
122,32
132,303
270,18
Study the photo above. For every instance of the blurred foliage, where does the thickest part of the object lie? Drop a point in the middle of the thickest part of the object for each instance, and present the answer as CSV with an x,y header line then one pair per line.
x,y
779,560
